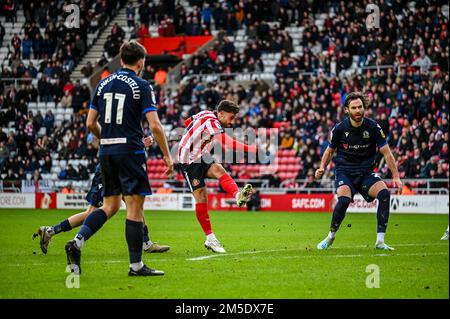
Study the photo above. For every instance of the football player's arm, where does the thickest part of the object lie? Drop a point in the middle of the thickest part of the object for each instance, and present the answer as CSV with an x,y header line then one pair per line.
x,y
92,123
234,144
390,160
328,154
326,158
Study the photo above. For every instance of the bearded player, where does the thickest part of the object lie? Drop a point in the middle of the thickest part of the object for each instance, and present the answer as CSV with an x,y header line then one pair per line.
x,y
356,141
196,162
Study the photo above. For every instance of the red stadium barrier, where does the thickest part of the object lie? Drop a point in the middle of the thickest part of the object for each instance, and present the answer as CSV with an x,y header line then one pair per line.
x,y
277,202
174,45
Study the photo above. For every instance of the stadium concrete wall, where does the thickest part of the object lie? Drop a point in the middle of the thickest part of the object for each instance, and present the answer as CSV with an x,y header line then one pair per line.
x,y
423,204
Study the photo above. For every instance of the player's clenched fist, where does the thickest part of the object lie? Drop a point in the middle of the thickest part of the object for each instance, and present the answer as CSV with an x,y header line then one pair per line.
x,y
319,173
169,163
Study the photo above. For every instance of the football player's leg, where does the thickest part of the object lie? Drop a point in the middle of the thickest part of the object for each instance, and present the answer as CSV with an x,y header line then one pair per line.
x,y
47,232
134,233
201,211
227,183
380,191
151,247
97,218
78,219
345,195
91,225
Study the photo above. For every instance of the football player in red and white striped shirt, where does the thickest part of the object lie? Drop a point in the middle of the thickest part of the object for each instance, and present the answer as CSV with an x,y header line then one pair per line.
x,y
196,162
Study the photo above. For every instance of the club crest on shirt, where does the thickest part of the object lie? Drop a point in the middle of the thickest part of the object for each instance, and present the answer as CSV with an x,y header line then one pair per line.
x,y
346,134
366,134
345,146
195,182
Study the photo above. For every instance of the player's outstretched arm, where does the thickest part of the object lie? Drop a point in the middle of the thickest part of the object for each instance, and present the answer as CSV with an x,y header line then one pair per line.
x,y
160,137
390,160
326,158
234,144
92,123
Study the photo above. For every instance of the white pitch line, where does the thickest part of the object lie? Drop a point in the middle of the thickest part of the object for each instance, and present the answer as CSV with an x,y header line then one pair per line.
x,y
293,249
344,256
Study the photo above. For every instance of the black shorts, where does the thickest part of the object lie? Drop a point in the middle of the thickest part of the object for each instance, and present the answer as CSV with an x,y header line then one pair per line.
x,y
359,182
125,174
95,195
195,173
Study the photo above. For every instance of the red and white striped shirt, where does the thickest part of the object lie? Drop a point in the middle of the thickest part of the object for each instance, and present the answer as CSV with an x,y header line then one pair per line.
x,y
197,136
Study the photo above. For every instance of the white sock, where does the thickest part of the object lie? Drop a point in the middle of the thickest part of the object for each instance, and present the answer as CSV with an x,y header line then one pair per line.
x,y
380,237
137,266
79,241
331,234
237,196
147,244
210,236
447,229
50,231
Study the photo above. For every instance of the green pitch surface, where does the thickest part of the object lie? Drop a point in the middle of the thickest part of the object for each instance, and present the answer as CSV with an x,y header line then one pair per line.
x,y
270,255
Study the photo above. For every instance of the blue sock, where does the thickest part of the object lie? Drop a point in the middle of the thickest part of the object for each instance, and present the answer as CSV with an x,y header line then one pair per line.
x,y
339,212
384,198
146,237
92,224
63,226
134,233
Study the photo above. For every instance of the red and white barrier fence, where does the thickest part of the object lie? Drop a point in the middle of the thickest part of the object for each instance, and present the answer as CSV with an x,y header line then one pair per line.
x,y
425,204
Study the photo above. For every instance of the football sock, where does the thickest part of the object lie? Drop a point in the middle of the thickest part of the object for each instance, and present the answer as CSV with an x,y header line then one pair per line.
x,y
146,236
201,210
331,234
62,227
380,237
228,185
91,225
211,236
339,212
134,233
137,266
384,198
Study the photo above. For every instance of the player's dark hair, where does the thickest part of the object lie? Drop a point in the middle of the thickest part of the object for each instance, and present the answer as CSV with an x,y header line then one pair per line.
x,y
131,52
228,106
354,96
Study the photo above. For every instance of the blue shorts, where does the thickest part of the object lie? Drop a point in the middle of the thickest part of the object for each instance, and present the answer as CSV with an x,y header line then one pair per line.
x,y
125,174
359,182
95,195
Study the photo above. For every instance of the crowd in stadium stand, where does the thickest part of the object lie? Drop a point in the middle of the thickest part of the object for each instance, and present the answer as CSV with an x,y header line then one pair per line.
x,y
410,103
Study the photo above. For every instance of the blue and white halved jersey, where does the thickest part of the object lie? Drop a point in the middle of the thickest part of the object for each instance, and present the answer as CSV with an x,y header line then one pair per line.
x,y
122,100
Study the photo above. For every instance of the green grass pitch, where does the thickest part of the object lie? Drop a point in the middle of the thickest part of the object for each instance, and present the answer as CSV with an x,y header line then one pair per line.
x,y
270,255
